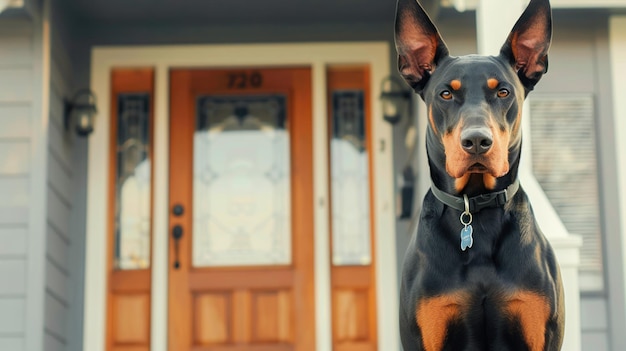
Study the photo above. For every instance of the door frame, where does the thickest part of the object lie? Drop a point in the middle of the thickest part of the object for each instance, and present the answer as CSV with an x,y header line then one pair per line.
x,y
162,58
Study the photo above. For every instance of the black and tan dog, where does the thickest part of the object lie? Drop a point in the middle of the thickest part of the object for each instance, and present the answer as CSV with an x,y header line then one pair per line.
x,y
479,273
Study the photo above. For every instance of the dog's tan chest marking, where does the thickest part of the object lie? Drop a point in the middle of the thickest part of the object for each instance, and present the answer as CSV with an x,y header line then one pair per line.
x,y
435,314
532,310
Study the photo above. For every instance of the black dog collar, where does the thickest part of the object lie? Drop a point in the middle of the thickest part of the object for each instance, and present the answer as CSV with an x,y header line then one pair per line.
x,y
477,203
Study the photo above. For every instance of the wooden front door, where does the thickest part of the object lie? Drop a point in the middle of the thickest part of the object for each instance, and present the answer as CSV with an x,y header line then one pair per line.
x,y
241,210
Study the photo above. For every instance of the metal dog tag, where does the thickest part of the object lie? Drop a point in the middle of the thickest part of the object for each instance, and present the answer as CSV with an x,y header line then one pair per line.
x,y
467,239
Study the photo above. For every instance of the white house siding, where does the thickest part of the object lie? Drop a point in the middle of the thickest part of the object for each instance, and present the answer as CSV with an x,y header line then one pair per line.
x,y
16,116
35,188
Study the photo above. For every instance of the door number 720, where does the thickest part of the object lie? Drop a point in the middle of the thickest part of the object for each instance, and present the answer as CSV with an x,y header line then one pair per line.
x,y
243,80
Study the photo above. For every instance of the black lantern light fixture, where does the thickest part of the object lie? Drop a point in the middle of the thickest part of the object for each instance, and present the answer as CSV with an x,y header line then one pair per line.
x,y
396,103
395,99
80,112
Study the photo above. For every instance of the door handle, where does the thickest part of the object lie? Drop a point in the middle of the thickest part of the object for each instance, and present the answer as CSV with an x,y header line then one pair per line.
x,y
177,234
178,210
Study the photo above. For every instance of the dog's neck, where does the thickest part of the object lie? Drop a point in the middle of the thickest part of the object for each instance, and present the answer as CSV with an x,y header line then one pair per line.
x,y
475,204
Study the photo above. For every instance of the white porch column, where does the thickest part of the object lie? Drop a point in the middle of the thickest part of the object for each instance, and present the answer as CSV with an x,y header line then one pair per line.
x,y
494,20
617,37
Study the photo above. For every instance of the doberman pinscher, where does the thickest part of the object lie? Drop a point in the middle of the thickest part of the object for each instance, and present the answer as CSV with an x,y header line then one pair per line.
x,y
479,273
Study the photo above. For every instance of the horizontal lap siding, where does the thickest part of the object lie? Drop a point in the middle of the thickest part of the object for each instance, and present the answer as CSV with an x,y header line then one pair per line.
x,y
15,121
11,343
16,116
17,84
13,277
15,157
56,319
14,201
594,323
57,248
14,239
16,48
12,325
60,271
53,344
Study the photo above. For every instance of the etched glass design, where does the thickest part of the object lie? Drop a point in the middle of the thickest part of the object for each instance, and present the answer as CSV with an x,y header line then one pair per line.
x,y
349,180
132,184
242,192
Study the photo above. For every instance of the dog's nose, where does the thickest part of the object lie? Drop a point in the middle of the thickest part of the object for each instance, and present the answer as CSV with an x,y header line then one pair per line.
x,y
476,141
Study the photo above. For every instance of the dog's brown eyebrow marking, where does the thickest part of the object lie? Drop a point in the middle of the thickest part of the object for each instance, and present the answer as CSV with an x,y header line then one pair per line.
x,y
492,83
455,84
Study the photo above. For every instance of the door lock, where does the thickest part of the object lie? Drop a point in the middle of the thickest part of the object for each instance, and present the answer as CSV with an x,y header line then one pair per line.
x,y
178,210
177,234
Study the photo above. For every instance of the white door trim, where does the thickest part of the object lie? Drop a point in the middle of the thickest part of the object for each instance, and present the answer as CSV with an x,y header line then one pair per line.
x,y
617,42
318,56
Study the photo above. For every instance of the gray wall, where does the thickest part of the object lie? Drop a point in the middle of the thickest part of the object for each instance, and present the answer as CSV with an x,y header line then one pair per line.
x,y
17,109
36,292
65,223
59,241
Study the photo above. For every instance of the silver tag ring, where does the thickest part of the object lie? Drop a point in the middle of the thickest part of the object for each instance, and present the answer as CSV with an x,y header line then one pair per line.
x,y
468,216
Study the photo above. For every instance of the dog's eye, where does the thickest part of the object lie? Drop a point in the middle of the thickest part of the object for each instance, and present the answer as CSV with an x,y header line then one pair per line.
x,y
446,95
502,93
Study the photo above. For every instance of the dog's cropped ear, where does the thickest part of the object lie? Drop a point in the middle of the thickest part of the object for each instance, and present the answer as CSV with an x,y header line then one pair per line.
x,y
418,44
527,46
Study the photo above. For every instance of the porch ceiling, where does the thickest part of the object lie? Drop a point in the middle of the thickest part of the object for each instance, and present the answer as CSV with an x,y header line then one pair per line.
x,y
224,12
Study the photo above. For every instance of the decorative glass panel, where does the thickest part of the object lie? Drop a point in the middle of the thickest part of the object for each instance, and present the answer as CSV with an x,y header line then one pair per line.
x,y
132,186
242,193
349,180
564,162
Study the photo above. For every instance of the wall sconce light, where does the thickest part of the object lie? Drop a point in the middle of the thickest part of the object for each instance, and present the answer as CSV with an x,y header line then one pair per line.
x,y
80,112
395,99
407,192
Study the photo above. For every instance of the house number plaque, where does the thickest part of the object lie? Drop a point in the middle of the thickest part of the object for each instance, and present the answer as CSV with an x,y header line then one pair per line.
x,y
245,80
